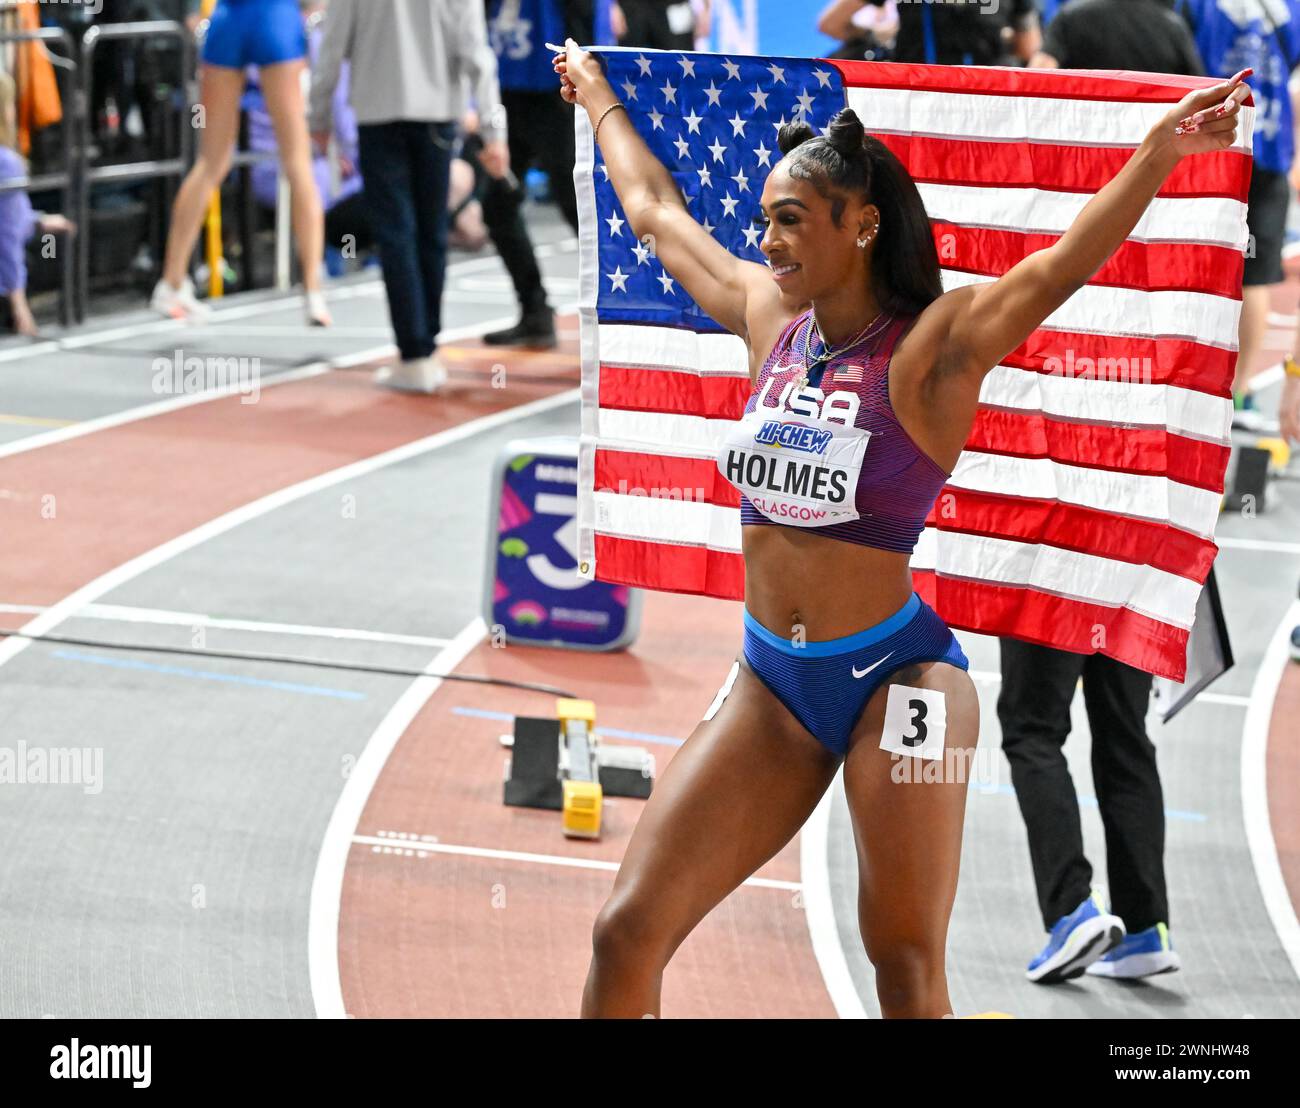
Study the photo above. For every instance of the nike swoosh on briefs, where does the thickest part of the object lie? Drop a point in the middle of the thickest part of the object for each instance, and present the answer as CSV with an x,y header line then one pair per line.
x,y
872,666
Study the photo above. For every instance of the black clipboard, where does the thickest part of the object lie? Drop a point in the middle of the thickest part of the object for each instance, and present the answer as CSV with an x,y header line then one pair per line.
x,y
1209,655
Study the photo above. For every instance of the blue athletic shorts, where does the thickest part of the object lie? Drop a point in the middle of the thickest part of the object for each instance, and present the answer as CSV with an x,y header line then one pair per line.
x,y
255,32
826,685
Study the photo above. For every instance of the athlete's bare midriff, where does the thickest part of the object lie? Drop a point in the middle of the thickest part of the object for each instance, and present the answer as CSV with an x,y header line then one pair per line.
x,y
797,580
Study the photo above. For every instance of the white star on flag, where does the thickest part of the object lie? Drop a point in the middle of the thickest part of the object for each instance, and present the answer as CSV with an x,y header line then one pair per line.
x,y
764,155
742,182
642,252
683,149
733,70
760,98
656,120
737,125
629,89
717,150
615,224
778,74
688,66
670,92
713,92
693,122
644,63
729,205
752,234
706,177
619,280
823,78
666,281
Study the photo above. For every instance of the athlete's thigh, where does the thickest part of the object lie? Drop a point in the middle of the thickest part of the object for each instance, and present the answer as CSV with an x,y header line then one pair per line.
x,y
731,797
219,93
908,810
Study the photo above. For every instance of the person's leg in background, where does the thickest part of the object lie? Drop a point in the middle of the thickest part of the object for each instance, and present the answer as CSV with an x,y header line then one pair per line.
x,y
387,171
503,213
1129,794
1038,684
220,89
282,89
433,147
551,135
1270,194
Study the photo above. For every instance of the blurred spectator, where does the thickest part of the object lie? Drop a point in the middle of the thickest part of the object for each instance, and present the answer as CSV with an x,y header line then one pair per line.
x,y
965,32
1119,34
1264,35
661,24
412,64
18,222
864,30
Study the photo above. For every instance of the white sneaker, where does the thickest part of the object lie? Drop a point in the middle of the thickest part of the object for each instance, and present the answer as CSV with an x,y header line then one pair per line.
x,y
424,375
317,310
179,303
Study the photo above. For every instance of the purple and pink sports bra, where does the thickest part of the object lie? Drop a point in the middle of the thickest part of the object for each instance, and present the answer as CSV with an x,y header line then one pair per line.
x,y
831,455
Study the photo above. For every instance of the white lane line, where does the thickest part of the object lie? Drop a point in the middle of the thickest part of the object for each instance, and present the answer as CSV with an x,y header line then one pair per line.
x,y
327,881
814,872
117,613
175,403
417,847
1254,788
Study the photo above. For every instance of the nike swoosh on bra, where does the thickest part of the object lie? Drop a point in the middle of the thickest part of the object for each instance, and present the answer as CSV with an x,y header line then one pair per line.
x,y
872,666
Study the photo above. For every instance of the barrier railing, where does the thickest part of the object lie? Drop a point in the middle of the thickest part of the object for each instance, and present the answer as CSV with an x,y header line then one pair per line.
x,y
66,181
89,175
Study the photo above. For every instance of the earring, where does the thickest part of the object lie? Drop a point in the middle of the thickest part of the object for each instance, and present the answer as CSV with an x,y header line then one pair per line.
x,y
862,243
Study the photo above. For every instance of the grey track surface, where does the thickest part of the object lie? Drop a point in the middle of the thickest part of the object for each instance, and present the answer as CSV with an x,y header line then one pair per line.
x,y
181,888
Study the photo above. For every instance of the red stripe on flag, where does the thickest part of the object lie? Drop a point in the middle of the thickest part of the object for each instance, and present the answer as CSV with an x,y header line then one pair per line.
x,y
687,569
1057,167
1054,84
1179,362
635,474
1074,625
1148,267
1073,527
1151,451
676,392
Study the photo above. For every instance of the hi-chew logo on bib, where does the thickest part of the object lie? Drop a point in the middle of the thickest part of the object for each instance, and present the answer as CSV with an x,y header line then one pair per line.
x,y
801,471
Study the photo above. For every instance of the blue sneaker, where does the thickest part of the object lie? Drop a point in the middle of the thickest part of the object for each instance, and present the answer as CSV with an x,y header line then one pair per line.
x,y
1077,940
1141,955
1295,643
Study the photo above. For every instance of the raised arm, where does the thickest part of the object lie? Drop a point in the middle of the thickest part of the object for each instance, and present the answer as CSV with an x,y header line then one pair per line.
x,y
972,329
722,284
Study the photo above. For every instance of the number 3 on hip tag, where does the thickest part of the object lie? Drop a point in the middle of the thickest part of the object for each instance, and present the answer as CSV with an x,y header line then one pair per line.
x,y
915,722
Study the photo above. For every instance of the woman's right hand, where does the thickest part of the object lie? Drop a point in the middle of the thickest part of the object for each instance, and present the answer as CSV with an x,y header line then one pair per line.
x,y
581,74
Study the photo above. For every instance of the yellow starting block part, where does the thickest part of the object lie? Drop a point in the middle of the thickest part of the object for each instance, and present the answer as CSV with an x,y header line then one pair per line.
x,y
1279,452
582,804
989,1016
585,710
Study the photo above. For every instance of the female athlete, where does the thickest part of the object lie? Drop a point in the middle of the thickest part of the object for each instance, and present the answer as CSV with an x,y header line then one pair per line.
x,y
866,381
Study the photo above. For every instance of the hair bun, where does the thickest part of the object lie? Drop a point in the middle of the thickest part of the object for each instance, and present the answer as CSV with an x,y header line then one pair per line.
x,y
844,134
793,134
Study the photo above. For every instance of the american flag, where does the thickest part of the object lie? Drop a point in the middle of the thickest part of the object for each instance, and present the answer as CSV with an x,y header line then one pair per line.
x,y
1082,512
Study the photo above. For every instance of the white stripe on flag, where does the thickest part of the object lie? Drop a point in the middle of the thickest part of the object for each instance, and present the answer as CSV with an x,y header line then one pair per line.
x,y
1106,310
721,355
685,522
1152,592
1019,119
1116,402
676,436
1139,496
1187,219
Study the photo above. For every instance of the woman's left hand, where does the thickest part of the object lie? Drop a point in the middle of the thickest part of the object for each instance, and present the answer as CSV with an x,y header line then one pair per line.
x,y
1206,119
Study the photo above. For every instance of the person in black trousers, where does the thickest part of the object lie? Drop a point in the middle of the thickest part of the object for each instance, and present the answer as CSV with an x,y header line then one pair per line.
x,y
1129,937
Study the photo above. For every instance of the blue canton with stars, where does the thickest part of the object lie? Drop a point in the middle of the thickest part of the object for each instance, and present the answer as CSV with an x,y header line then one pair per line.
x,y
712,120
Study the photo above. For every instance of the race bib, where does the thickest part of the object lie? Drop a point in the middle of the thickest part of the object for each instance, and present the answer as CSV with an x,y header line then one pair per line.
x,y
795,469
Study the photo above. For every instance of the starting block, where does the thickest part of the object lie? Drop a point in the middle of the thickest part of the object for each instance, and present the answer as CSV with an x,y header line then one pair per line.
x,y
561,765
1247,479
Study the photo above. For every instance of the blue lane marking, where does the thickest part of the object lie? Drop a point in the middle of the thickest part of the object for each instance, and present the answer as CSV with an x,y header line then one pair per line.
x,y
208,675
1091,802
612,732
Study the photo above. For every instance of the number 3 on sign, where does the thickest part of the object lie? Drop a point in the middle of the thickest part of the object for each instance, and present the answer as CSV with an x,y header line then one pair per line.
x,y
915,722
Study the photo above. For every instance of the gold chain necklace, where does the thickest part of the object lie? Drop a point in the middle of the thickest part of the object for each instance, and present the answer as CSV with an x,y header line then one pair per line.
x,y
828,353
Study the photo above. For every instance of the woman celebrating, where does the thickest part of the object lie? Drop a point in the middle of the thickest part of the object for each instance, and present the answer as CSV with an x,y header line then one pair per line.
x,y
866,381
270,35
